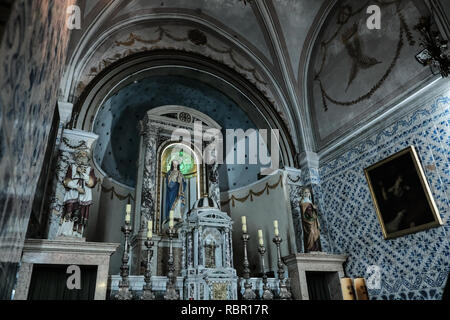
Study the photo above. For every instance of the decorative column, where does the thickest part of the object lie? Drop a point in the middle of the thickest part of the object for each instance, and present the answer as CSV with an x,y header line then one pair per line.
x,y
71,142
148,200
145,194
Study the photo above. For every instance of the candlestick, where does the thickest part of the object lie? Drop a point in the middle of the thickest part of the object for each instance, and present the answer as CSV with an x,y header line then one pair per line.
x,y
284,292
267,293
248,293
171,292
124,284
244,224
147,288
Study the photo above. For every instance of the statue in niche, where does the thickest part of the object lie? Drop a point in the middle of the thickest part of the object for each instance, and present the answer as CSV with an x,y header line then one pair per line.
x,y
310,223
79,181
175,189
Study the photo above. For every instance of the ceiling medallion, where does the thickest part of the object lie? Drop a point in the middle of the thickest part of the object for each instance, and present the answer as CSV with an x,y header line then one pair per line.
x,y
197,37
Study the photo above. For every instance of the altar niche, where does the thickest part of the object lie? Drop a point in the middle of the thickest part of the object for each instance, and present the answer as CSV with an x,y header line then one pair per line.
x,y
178,181
171,176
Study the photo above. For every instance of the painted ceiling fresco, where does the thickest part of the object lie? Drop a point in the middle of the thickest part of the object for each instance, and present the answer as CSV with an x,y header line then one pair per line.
x,y
357,70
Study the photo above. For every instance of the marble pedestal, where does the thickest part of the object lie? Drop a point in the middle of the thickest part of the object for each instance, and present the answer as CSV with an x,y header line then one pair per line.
x,y
65,252
299,264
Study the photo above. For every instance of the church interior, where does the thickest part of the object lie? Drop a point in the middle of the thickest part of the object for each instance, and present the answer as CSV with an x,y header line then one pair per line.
x,y
224,150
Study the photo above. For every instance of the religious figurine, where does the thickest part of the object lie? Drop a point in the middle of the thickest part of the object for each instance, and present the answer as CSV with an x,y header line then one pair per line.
x,y
310,222
175,188
79,181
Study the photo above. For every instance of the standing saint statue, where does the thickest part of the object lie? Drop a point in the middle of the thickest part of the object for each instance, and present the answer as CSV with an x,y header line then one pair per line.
x,y
79,181
175,188
310,222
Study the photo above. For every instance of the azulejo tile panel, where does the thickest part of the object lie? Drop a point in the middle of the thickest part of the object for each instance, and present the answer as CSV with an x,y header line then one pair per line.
x,y
414,266
32,54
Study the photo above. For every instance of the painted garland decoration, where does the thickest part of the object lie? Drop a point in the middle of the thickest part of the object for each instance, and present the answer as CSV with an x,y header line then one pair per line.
x,y
253,193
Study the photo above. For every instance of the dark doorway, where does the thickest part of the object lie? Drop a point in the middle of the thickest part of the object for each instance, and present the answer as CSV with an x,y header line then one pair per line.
x,y
318,285
49,282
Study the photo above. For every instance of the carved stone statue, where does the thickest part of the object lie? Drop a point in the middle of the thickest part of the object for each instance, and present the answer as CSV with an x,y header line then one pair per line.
x,y
310,222
79,181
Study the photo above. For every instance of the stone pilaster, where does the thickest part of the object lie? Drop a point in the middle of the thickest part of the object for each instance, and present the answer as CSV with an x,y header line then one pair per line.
x,y
293,177
148,201
150,137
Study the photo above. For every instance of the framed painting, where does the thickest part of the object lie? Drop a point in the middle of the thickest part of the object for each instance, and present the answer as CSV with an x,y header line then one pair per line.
x,y
401,195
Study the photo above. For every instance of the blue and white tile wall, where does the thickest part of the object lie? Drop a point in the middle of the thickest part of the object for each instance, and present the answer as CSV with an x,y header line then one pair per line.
x,y
414,266
32,56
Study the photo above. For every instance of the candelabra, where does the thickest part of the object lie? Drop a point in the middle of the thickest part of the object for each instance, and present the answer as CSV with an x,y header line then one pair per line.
x,y
124,284
267,294
171,292
284,292
434,52
147,288
248,293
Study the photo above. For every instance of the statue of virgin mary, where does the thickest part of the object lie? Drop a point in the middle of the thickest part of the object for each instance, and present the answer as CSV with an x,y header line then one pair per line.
x,y
175,188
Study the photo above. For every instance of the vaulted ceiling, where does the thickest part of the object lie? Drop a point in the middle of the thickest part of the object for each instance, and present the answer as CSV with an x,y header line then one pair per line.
x,y
277,46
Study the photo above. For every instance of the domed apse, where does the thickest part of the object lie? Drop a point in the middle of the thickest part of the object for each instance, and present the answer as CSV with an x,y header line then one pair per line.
x,y
116,123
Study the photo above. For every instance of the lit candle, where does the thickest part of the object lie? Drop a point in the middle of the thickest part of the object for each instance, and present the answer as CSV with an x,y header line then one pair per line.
x,y
128,213
244,224
149,229
275,225
260,236
171,218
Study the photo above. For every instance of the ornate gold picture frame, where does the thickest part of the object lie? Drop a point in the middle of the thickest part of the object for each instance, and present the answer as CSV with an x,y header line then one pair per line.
x,y
401,195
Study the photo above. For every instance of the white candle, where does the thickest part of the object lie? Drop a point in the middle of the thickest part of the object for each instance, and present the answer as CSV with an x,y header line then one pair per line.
x,y
171,219
128,213
260,236
244,224
149,229
275,225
